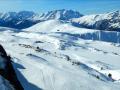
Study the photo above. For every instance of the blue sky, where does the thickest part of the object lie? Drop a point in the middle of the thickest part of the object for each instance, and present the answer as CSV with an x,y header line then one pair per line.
x,y
84,6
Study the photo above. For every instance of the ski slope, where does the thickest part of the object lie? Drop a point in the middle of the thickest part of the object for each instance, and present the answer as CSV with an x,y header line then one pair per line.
x,y
50,56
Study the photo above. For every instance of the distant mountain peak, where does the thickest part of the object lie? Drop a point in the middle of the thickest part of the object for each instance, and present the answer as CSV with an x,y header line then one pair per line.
x,y
107,21
25,19
115,12
61,14
18,20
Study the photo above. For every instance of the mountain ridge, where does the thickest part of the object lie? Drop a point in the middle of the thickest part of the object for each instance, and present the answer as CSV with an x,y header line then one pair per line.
x,y
107,21
24,19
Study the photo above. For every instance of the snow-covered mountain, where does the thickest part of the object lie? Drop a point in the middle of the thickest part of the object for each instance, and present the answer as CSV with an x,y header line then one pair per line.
x,y
18,20
59,27
61,15
54,55
25,19
108,21
51,25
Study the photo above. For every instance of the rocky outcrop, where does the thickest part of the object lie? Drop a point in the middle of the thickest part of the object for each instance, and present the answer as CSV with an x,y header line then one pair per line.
x,y
7,70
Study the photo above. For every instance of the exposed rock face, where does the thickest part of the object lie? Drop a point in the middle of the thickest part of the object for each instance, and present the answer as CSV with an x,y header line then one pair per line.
x,y
7,71
5,84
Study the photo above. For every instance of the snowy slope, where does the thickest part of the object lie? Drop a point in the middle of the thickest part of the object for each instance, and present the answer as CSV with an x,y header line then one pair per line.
x,y
55,26
107,21
62,27
53,56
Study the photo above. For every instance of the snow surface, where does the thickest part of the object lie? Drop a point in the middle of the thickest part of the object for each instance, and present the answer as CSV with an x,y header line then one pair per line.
x,y
63,60
56,26
62,14
106,21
